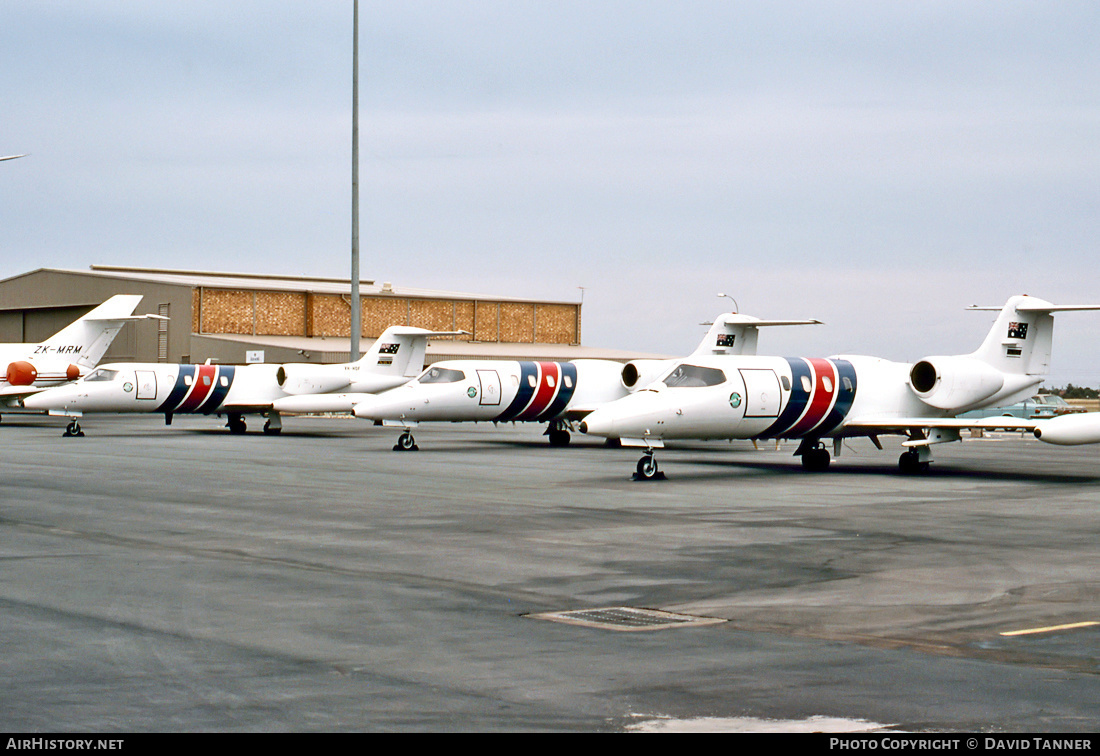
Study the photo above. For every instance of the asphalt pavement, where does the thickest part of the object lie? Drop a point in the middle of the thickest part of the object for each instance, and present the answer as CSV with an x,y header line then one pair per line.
x,y
185,579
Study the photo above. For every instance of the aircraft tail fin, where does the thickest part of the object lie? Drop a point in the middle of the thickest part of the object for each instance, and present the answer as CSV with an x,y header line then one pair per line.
x,y
1020,341
732,333
400,350
87,338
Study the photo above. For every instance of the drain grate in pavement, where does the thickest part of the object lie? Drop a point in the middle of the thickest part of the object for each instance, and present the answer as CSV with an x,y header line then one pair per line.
x,y
627,618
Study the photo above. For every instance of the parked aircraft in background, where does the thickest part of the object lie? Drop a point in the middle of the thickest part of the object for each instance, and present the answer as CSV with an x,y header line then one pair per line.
x,y
65,356
234,390
742,397
555,393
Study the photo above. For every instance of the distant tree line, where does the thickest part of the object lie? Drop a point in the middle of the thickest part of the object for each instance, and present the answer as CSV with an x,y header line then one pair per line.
x,y
1073,392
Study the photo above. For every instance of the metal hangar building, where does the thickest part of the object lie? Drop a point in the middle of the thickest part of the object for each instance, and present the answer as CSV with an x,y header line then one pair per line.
x,y
235,318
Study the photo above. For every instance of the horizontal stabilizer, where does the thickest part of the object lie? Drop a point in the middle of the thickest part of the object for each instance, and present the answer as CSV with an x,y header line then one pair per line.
x,y
1039,306
733,333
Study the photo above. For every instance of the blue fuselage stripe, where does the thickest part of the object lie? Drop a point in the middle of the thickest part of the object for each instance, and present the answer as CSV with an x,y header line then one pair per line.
x,y
179,390
797,403
528,374
844,398
223,382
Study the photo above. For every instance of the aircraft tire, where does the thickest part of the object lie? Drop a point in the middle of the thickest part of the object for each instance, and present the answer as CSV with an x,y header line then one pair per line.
x,y
559,437
406,442
647,468
816,460
909,463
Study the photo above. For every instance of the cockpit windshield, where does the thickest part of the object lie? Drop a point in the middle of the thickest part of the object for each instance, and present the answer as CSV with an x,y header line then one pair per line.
x,y
694,376
441,375
101,375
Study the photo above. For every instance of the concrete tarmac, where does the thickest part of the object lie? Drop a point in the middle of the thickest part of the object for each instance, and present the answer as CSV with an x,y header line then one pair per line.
x,y
184,579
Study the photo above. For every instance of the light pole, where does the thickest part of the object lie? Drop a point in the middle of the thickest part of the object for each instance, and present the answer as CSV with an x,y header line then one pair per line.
x,y
356,324
736,309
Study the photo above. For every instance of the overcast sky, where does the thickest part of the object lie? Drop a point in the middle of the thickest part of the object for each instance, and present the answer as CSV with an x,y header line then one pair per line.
x,y
878,166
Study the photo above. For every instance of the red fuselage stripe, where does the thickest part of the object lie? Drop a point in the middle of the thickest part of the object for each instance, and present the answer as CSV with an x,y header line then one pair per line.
x,y
822,400
204,384
549,380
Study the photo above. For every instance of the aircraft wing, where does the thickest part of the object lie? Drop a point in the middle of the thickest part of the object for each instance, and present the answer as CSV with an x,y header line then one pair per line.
x,y
923,431
885,424
1066,430
244,408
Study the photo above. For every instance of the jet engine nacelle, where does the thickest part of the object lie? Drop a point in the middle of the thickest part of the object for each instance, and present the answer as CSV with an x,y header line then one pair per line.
x,y
21,373
312,379
954,383
1070,430
637,374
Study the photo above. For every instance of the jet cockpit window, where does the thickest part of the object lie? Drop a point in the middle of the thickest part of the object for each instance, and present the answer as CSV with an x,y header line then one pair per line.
x,y
442,375
100,375
693,376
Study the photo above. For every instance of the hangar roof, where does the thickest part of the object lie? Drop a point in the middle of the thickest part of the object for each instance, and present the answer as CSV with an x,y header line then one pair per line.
x,y
314,284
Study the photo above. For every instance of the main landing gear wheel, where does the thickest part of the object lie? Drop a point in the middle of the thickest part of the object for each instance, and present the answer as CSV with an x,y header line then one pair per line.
x,y
406,442
72,430
910,463
236,424
816,459
647,469
559,437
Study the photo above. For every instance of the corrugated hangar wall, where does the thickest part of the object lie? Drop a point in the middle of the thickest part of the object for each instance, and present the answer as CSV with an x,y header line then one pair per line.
x,y
267,313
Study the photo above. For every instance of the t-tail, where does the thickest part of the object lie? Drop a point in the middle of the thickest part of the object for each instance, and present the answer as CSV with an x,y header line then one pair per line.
x,y
733,333
396,357
1008,366
400,351
85,341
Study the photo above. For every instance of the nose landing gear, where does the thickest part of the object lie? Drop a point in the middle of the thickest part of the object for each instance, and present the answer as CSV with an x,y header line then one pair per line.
x,y
647,468
406,442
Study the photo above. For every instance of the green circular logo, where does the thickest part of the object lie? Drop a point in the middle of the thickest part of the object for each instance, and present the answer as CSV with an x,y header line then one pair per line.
x,y
471,392
127,387
735,400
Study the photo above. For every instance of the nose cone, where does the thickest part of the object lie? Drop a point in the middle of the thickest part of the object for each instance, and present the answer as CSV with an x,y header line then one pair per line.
x,y
62,397
631,416
381,407
599,423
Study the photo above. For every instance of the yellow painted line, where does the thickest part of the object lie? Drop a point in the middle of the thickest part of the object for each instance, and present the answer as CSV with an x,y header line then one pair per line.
x,y
1051,629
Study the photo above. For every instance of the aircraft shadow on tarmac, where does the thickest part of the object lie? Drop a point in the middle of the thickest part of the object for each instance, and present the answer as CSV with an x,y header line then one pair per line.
x,y
939,470
677,463
681,462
